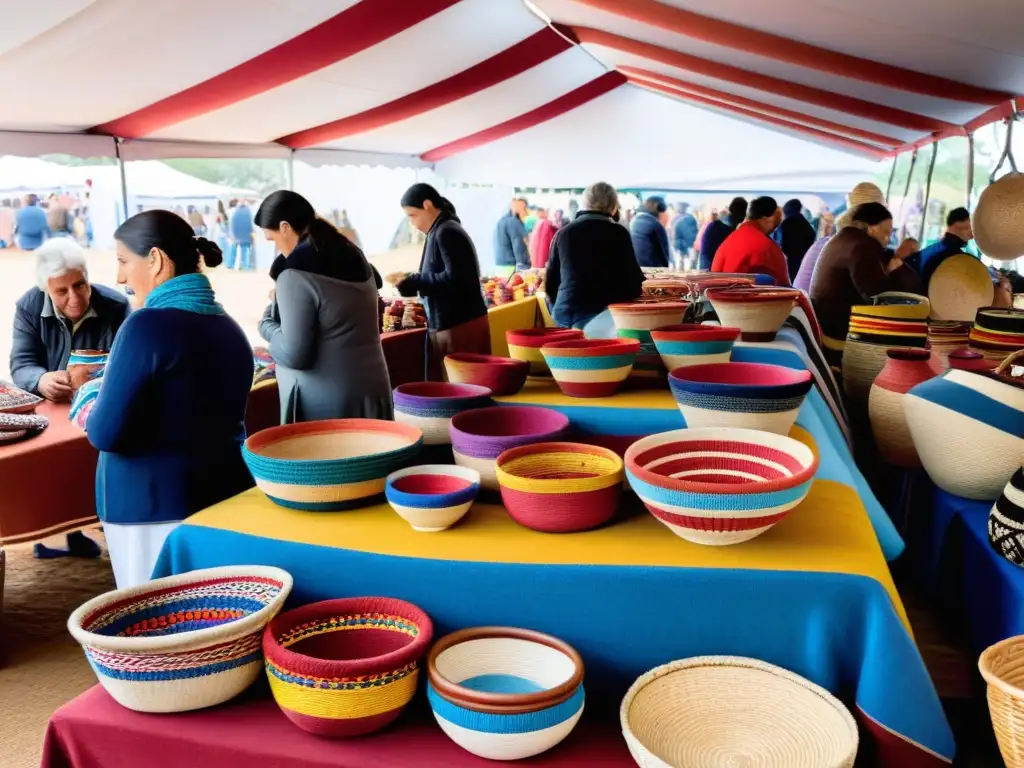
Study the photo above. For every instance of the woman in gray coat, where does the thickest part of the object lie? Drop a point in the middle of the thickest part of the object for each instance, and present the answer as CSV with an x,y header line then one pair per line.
x,y
324,335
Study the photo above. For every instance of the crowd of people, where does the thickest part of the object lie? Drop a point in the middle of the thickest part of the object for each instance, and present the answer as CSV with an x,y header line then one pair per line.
x,y
28,222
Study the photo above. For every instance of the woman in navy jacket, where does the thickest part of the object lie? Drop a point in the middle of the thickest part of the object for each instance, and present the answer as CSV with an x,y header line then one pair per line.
x,y
169,418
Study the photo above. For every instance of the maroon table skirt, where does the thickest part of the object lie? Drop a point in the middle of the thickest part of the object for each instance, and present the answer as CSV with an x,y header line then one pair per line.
x,y
405,352
93,731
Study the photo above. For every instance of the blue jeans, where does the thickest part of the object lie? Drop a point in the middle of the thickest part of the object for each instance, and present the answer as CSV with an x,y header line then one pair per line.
x,y
232,252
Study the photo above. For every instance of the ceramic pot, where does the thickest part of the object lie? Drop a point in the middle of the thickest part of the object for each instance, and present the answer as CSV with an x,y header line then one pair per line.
x,y
904,369
1006,521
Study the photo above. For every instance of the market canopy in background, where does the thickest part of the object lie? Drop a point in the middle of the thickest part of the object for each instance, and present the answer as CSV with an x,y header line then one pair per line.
x,y
636,91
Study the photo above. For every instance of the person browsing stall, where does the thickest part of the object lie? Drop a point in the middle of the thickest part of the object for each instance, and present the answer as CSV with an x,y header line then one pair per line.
x,y
750,249
650,240
511,247
719,229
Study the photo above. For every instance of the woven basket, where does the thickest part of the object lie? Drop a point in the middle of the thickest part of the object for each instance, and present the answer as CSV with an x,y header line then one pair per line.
x,y
480,436
1006,521
502,375
504,693
429,406
959,287
16,400
346,667
946,337
432,497
905,369
646,316
713,711
757,311
560,487
720,485
525,344
874,330
591,367
329,465
694,344
1002,667
745,395
183,642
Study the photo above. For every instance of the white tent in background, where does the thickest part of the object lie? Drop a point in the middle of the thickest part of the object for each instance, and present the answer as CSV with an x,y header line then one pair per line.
x,y
21,175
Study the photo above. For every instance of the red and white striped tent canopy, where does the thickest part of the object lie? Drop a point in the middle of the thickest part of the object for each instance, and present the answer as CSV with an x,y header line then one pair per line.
x,y
554,92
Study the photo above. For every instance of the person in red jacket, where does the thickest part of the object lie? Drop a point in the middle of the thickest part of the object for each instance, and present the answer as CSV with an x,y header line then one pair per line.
x,y
540,239
750,249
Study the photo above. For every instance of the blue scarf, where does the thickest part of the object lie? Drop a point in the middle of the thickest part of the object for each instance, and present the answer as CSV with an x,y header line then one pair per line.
x,y
190,293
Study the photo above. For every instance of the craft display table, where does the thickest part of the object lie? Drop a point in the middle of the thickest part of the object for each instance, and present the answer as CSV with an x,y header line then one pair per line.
x,y
511,317
47,482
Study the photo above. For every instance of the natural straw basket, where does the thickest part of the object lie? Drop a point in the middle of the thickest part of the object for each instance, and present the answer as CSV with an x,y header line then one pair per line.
x,y
712,711
1002,666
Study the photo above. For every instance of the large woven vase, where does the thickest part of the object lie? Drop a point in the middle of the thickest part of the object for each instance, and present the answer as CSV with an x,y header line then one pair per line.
x,y
1006,521
904,369
874,330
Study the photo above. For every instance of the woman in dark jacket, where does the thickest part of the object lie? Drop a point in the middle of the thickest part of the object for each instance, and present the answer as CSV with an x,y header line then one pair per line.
x,y
718,230
795,235
449,276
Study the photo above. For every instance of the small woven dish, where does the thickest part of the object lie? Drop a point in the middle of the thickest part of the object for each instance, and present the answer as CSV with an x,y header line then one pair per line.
x,y
16,400
759,312
525,344
1002,667
183,642
746,395
479,437
504,693
694,344
346,667
591,367
720,486
20,422
429,406
714,711
10,437
560,487
432,497
329,465
502,375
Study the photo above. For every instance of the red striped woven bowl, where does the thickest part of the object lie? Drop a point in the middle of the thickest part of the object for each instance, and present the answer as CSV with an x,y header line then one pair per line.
x,y
525,344
501,375
560,487
591,367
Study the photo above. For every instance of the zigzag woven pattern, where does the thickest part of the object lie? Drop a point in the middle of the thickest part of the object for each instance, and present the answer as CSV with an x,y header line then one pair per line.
x,y
176,666
343,623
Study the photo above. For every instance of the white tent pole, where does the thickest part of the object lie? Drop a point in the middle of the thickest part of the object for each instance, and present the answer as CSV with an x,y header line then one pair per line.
x,y
928,190
124,180
290,171
970,169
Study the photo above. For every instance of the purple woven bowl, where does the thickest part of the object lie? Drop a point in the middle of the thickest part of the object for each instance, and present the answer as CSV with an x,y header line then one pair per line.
x,y
429,406
480,436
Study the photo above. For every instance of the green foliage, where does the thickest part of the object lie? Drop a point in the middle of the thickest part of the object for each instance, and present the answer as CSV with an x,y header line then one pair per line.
x,y
261,176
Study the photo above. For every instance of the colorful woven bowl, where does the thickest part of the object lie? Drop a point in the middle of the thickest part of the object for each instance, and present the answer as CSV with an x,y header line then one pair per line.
x,y
480,437
636,321
560,487
732,711
429,406
85,365
591,367
346,667
502,375
329,465
720,485
525,344
183,642
746,395
504,693
758,312
432,497
873,331
694,344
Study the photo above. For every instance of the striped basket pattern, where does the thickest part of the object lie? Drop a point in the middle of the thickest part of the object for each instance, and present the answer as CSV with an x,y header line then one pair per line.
x,y
16,400
591,367
183,642
694,344
329,465
502,375
432,497
997,333
346,667
746,395
504,693
479,437
525,344
429,406
873,331
86,365
720,485
636,321
905,369
968,429
758,312
1006,521
560,487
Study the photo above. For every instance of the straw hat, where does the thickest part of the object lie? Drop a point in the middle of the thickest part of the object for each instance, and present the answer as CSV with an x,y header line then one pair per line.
x,y
865,192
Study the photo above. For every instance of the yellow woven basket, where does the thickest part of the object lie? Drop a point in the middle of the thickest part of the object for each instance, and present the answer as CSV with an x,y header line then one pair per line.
x,y
1002,666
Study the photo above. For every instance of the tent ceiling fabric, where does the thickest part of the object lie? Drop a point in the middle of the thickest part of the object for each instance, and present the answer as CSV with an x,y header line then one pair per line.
x,y
477,84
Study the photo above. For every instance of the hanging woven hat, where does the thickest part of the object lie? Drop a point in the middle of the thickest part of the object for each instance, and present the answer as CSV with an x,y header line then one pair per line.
x,y
959,287
865,192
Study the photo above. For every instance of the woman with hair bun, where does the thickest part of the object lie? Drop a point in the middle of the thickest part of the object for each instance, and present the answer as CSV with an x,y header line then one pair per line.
x,y
169,418
449,276
325,332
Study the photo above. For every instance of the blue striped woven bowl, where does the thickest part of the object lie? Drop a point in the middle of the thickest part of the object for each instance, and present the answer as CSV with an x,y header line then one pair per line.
x,y
430,405
329,465
432,497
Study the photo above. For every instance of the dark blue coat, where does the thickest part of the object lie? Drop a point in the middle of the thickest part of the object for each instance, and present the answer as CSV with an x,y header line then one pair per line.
x,y
684,232
510,243
650,240
714,236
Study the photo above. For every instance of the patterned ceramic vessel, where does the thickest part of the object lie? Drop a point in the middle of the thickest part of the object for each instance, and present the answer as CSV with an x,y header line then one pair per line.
x,y
346,667
746,395
758,312
432,497
591,367
560,487
502,375
504,693
480,437
905,369
1006,521
85,365
720,485
874,330
429,406
694,344
330,465
525,344
183,642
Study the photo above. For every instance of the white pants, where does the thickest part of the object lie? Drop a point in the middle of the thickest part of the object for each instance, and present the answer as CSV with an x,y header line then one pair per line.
x,y
134,550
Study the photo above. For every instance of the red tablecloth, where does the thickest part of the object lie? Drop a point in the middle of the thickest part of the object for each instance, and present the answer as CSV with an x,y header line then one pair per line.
x,y
47,483
93,731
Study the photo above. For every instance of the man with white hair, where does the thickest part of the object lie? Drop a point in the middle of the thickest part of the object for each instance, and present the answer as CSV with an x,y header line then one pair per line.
x,y
62,314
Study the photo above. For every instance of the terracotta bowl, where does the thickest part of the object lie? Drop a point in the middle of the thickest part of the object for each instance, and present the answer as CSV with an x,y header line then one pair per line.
x,y
502,375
